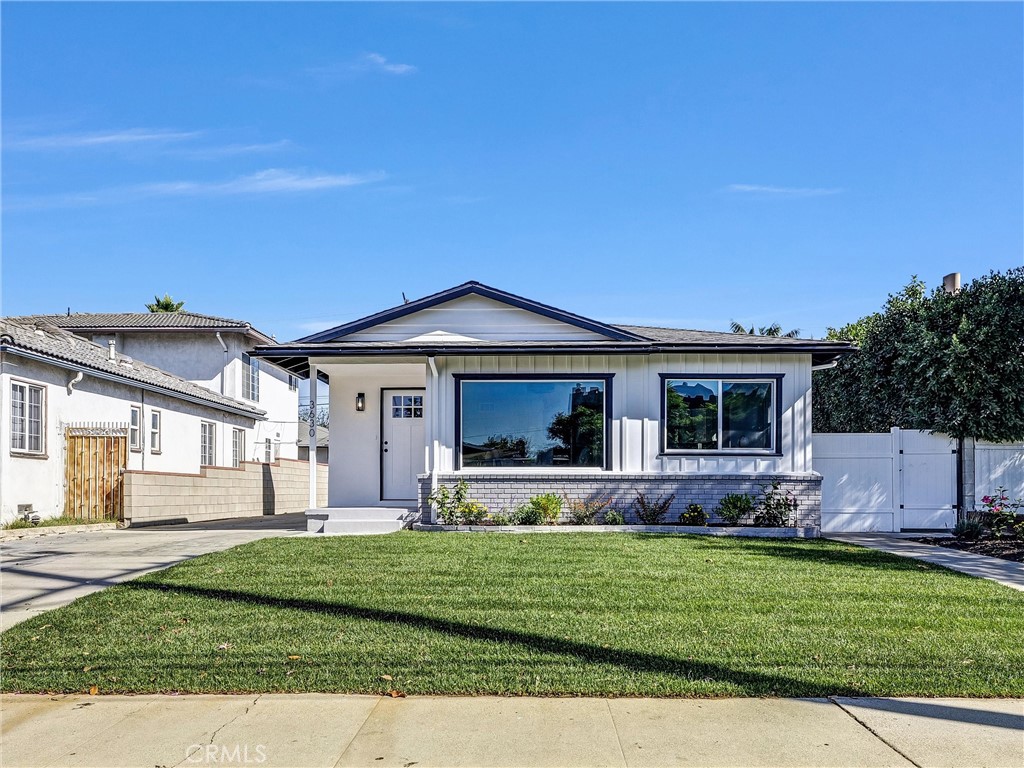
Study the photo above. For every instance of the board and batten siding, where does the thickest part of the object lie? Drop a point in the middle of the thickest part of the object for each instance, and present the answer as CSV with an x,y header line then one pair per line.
x,y
476,317
636,405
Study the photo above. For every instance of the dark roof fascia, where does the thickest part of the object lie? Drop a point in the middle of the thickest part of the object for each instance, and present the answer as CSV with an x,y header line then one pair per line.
x,y
255,414
458,292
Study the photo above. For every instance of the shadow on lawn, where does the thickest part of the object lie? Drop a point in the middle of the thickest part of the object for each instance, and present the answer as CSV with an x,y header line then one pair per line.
x,y
752,683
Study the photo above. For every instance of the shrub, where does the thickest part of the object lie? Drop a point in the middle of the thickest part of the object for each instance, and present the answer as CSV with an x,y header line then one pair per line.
x,y
550,506
693,515
585,511
734,507
777,507
454,507
472,513
499,518
968,530
527,514
614,517
1000,513
651,511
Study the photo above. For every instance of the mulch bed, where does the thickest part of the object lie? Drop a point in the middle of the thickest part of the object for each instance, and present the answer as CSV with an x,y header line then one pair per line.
x,y
1004,549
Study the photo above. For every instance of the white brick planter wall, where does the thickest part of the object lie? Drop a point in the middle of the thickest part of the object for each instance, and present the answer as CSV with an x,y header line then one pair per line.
x,y
505,491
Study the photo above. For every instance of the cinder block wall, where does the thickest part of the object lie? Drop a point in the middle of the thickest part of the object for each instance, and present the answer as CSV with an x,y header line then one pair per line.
x,y
504,492
251,490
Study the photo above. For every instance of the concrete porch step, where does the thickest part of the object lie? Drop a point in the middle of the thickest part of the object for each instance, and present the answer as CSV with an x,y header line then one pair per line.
x,y
354,521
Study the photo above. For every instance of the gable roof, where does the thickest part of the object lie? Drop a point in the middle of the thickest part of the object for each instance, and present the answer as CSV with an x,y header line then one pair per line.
x,y
111,322
478,289
59,347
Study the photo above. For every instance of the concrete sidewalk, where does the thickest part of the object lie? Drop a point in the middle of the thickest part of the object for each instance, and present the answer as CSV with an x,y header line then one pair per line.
x,y
43,572
335,730
1005,572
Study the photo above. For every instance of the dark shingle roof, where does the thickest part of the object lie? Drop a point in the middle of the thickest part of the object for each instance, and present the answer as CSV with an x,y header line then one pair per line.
x,y
47,341
115,321
685,336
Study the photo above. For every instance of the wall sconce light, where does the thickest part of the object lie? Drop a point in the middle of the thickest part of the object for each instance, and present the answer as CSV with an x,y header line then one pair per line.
x,y
361,401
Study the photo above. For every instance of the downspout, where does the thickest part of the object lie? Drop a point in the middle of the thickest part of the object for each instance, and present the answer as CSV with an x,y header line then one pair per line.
x,y
77,379
434,419
825,366
224,368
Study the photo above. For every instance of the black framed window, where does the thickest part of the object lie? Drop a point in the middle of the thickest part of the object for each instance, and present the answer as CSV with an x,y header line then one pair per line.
x,y
731,413
556,421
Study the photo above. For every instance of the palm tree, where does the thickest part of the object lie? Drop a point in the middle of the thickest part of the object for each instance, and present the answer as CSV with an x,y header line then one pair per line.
x,y
166,304
765,330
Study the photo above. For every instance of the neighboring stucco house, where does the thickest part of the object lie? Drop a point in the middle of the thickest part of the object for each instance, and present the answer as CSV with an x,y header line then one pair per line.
x,y
76,416
210,351
520,398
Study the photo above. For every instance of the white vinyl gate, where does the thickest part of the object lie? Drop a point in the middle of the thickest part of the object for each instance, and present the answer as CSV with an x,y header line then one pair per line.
x,y
900,480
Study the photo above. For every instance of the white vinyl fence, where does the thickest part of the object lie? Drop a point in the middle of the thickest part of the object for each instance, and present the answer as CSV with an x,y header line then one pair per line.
x,y
899,480
998,464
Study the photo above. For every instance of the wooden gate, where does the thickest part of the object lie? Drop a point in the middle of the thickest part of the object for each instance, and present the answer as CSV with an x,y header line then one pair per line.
x,y
96,457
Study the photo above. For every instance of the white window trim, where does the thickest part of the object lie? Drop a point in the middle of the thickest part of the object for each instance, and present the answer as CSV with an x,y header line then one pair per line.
x,y
156,432
135,429
210,447
237,447
26,434
250,378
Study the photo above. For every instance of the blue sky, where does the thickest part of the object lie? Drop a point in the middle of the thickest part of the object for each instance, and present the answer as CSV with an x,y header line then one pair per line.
x,y
670,164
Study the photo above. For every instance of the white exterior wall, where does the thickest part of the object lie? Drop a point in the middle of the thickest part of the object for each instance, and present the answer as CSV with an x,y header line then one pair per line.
x,y
635,412
198,357
476,317
40,480
354,466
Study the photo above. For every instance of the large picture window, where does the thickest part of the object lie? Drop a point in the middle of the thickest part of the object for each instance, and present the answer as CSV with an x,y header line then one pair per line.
x,y
731,413
558,421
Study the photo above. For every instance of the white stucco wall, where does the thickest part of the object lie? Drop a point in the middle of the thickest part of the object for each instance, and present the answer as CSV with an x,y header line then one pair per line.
x,y
635,411
199,357
40,480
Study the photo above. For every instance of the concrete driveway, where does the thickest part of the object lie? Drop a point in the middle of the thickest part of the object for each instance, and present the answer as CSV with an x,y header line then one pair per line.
x,y
40,573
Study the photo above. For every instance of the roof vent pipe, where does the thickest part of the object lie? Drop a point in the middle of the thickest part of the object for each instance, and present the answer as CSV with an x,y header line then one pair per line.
x,y
951,283
111,352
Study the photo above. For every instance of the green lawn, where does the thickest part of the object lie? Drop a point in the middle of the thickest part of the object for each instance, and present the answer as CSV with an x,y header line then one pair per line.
x,y
570,614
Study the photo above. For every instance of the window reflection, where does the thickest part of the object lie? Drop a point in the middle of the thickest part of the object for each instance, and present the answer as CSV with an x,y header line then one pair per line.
x,y
533,423
712,414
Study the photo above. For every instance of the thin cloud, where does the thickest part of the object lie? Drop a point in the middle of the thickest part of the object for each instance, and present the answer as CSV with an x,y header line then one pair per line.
x,y
368,63
270,181
130,137
761,190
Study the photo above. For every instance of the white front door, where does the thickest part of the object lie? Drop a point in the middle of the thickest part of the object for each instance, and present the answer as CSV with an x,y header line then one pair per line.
x,y
403,443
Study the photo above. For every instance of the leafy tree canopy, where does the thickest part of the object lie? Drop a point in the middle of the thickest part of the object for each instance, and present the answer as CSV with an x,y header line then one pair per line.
x,y
950,363
166,304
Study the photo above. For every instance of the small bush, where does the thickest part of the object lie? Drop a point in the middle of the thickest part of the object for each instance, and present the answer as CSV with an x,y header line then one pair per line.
x,y
527,514
472,513
777,507
693,515
1000,513
499,518
614,517
550,506
585,511
734,507
449,502
651,511
969,530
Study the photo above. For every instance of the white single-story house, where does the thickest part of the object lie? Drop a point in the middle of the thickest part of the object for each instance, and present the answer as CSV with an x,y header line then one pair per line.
x,y
75,417
520,398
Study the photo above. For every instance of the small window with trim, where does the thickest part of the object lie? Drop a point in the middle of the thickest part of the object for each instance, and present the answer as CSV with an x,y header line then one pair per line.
x,y
135,429
207,444
28,418
726,414
250,378
154,431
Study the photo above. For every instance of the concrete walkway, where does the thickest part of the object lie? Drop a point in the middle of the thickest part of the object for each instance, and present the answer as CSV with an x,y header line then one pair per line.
x,y
326,730
1006,572
43,572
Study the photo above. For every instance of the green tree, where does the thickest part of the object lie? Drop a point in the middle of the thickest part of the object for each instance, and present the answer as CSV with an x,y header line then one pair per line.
x,y
950,363
166,304
581,433
765,330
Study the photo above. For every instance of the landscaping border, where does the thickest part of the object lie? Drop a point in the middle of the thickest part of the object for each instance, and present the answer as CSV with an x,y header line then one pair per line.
x,y
46,530
803,532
